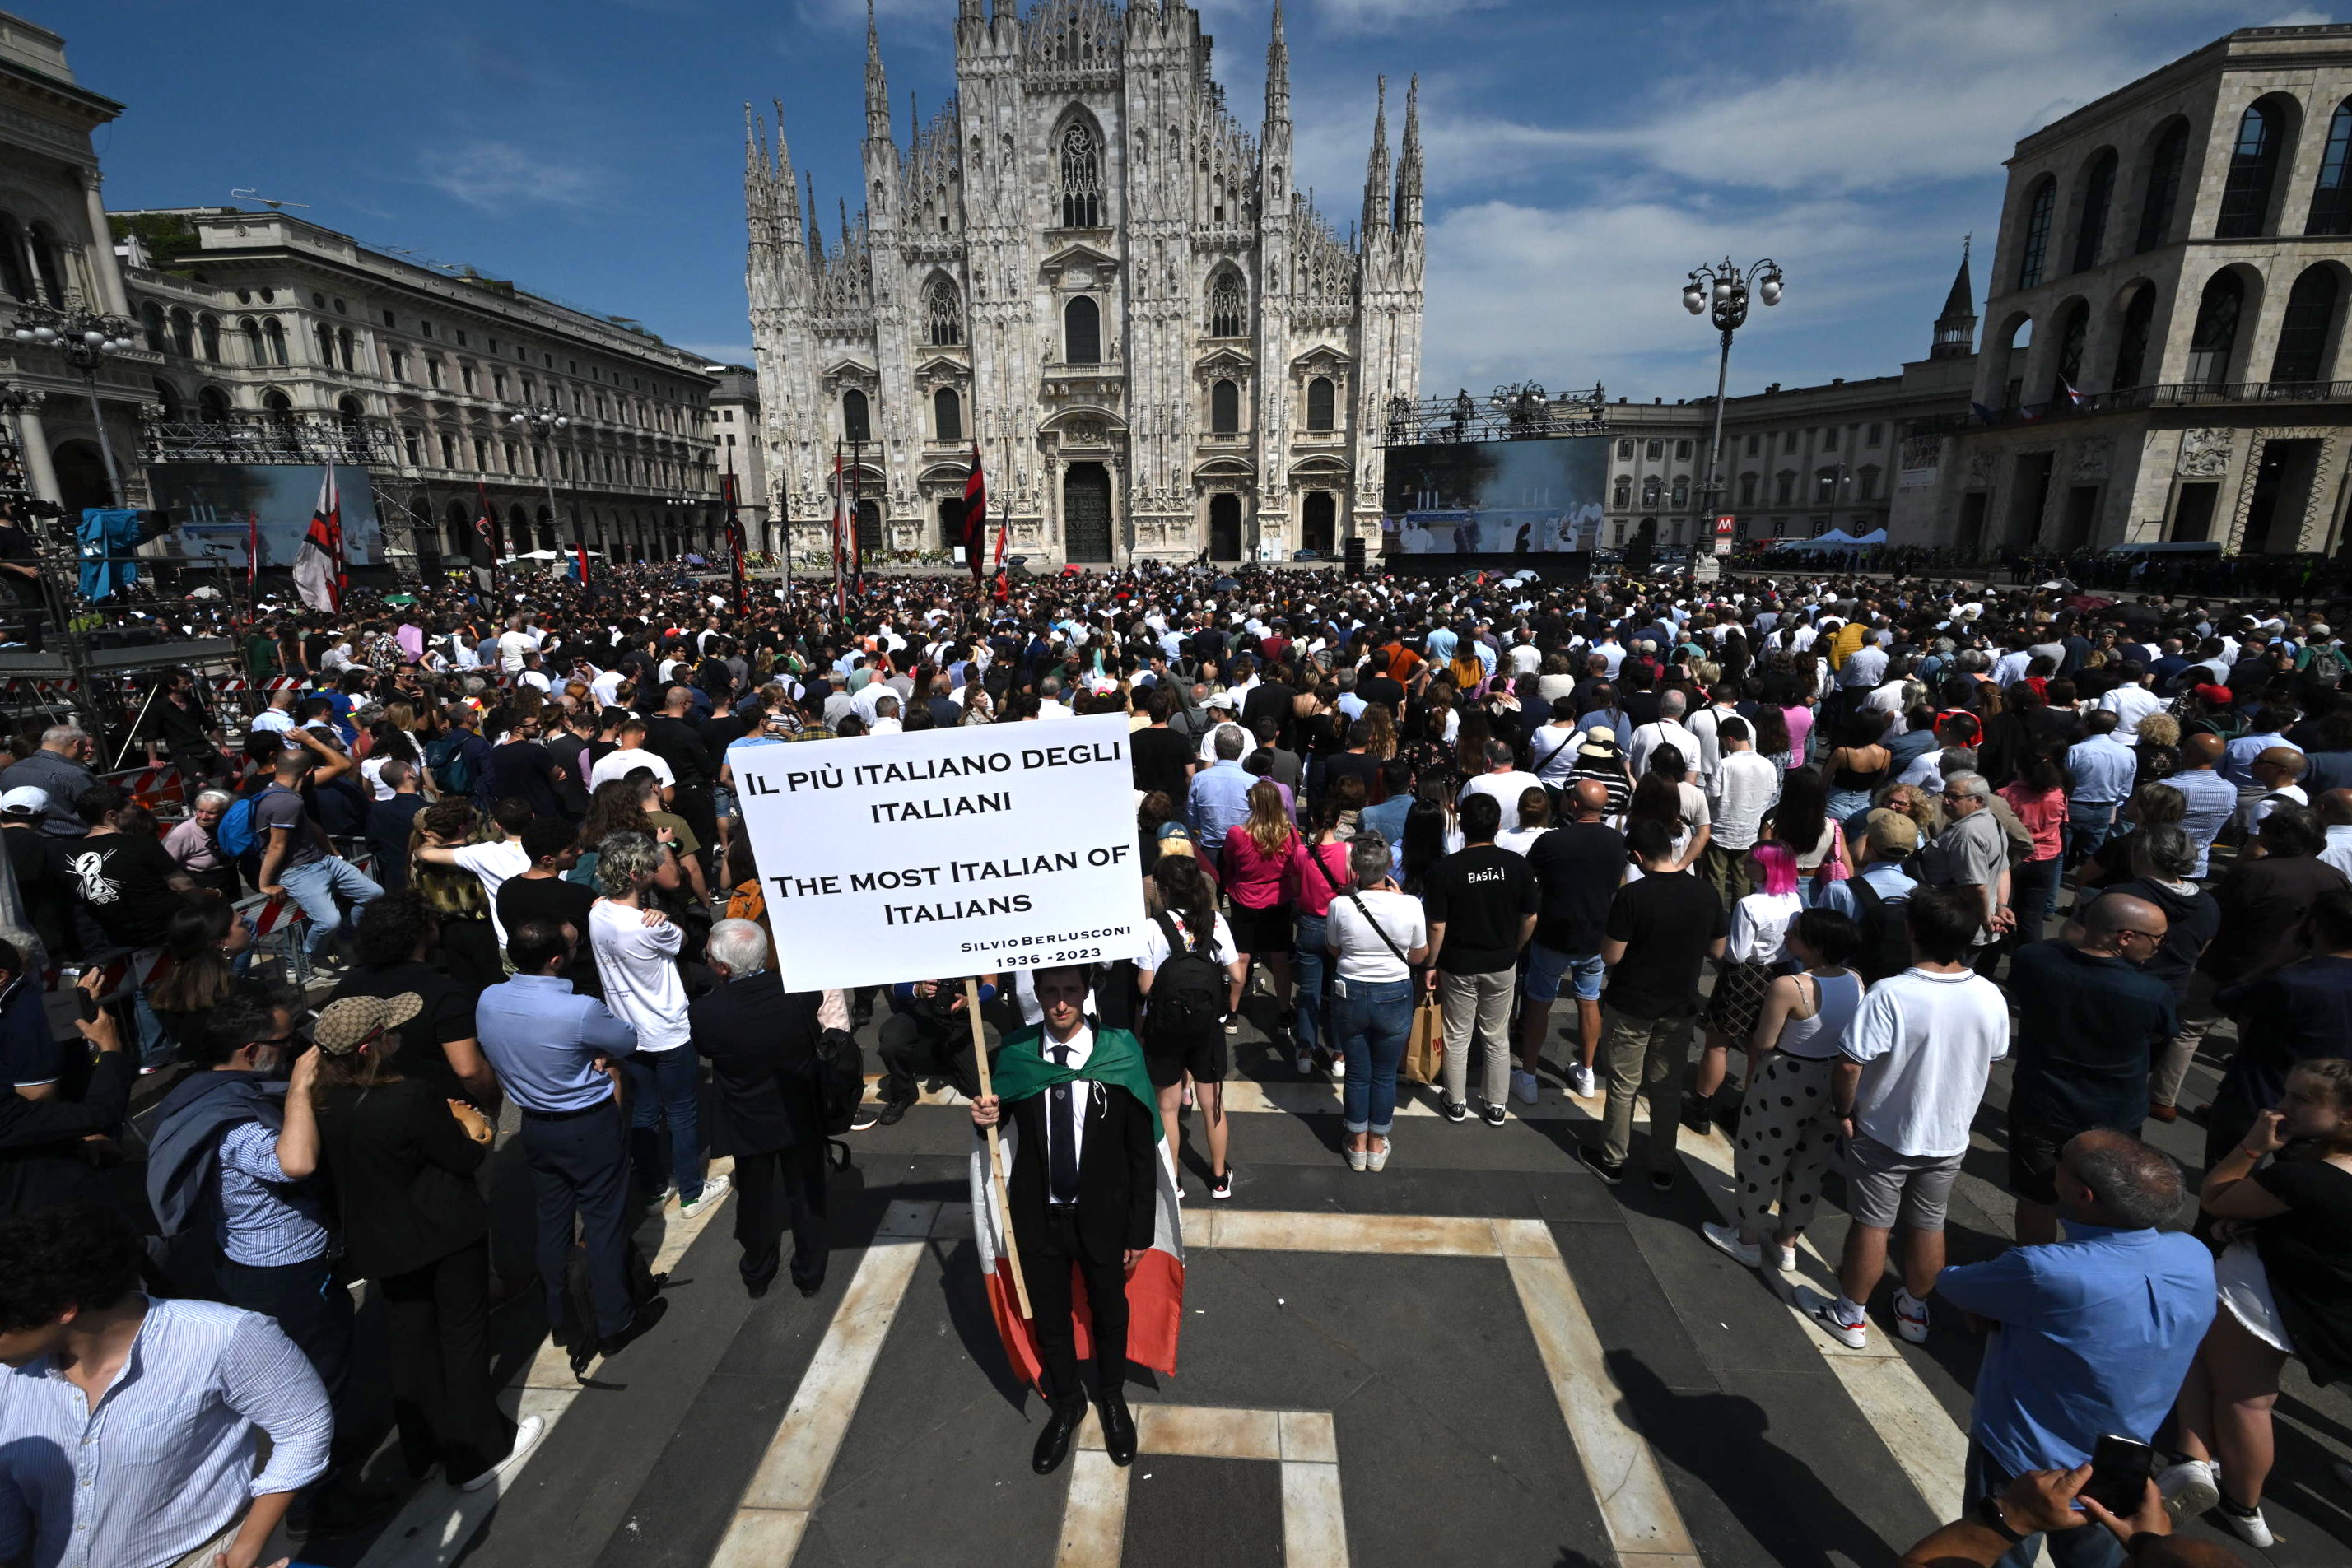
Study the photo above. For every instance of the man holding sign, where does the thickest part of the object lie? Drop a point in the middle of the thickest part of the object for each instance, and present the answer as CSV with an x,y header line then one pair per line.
x,y
1089,1180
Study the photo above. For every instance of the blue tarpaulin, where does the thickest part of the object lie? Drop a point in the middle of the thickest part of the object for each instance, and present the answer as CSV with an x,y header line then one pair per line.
x,y
107,532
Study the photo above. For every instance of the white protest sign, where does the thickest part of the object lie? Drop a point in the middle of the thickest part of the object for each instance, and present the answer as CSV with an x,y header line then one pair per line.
x,y
946,852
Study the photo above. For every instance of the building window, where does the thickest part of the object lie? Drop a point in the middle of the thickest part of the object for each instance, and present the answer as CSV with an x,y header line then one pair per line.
x,y
1082,331
466,377
2331,198
1748,488
326,345
509,454
482,454
947,415
1652,489
2303,332
184,335
1225,409
1625,451
499,385
1081,181
1866,486
2254,166
425,327
1682,451
1825,486
1682,488
2036,248
1657,449
1228,315
1789,442
432,372
13,279
150,323
1829,439
2217,330
2163,186
1318,403
946,302
1784,487
2131,349
2098,196
413,445
1752,442
250,329
448,451
1874,435
1623,497
854,425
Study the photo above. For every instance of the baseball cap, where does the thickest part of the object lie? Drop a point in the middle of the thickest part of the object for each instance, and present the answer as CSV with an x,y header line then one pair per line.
x,y
1892,834
2213,694
25,800
344,1026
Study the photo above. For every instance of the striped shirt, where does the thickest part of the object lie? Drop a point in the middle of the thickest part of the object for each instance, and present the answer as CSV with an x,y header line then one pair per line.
x,y
267,1218
165,1462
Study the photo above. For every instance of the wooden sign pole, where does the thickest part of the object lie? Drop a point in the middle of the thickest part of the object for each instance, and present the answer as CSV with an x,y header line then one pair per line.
x,y
995,1156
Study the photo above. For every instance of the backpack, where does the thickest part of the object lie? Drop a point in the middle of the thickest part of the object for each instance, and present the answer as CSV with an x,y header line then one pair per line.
x,y
234,836
1885,934
840,1085
452,769
1187,1003
2325,668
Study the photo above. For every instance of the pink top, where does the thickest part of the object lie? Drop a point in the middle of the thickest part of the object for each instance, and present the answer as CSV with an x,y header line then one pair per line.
x,y
1800,720
2044,816
1314,891
1254,880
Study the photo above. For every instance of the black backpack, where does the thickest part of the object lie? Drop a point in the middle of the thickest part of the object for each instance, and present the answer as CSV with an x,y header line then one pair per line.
x,y
1885,932
840,1085
1187,1004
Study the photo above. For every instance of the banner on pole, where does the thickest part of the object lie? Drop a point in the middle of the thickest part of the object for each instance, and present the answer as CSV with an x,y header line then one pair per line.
x,y
946,852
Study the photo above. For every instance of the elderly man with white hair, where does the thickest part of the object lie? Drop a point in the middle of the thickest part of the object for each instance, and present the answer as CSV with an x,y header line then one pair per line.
x,y
192,845
764,1044
61,767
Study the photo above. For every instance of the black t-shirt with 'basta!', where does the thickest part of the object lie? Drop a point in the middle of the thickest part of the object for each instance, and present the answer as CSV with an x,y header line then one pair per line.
x,y
1668,922
1481,895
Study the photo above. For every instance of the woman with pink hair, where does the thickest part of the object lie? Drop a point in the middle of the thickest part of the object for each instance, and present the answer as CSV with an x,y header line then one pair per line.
x,y
1752,955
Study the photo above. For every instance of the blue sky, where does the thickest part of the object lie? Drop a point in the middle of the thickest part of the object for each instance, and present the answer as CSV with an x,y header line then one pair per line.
x,y
1583,156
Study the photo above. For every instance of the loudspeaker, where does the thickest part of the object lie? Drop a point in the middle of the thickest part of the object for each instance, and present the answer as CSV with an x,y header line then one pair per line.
x,y
1354,554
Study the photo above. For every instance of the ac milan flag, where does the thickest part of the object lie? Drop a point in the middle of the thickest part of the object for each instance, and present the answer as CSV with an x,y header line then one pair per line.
x,y
318,564
975,517
483,526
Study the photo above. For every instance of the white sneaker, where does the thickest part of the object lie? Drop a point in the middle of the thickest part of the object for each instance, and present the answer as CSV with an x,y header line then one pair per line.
x,y
713,1189
1524,1087
1784,1257
2189,1488
1910,1316
527,1436
1580,1083
1853,1333
1726,1241
2249,1528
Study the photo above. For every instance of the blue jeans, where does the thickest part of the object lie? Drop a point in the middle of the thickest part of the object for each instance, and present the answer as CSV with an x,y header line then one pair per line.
x,y
2088,823
2034,896
665,1086
314,887
1308,966
1372,1024
2089,1546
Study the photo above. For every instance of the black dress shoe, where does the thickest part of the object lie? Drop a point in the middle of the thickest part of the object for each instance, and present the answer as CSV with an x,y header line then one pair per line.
x,y
1054,1442
755,1289
613,1345
1119,1429
809,1288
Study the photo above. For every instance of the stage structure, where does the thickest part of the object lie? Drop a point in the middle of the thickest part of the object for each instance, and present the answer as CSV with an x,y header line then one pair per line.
x,y
1514,473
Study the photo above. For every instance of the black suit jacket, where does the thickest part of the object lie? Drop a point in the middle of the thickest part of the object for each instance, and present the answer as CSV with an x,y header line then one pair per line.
x,y
1117,1185
760,1041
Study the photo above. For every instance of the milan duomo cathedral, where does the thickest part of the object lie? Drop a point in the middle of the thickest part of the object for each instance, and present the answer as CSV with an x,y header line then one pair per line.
x,y
1086,269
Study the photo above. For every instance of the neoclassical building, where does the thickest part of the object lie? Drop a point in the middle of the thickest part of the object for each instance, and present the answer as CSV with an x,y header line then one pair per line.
x,y
2165,357
1088,268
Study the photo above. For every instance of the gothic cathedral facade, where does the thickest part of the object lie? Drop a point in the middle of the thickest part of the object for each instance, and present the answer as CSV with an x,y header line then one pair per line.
x,y
1087,271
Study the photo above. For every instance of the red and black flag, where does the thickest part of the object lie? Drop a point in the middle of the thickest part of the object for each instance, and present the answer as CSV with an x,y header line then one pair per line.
x,y
734,535
485,525
975,519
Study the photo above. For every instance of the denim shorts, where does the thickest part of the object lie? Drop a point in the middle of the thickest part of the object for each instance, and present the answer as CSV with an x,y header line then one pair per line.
x,y
1548,967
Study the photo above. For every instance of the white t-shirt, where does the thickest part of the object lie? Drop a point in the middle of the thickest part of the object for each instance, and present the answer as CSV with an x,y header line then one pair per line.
x,y
1518,840
2131,705
1363,955
638,963
512,645
1760,923
621,764
1223,948
1926,1042
493,863
1505,788
607,687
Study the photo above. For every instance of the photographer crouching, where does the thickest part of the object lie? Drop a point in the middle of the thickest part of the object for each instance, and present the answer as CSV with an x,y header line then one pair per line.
x,y
927,1035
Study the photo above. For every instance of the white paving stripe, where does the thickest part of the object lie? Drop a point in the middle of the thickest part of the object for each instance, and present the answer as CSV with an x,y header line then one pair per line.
x,y
438,1523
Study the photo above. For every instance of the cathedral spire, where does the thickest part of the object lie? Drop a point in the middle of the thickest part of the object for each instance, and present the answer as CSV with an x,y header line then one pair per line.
x,y
1376,173
877,92
782,179
816,235
1277,71
1408,185
1955,328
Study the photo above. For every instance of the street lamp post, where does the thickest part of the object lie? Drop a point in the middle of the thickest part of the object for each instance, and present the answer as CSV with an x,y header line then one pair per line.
x,y
1721,288
87,340
543,421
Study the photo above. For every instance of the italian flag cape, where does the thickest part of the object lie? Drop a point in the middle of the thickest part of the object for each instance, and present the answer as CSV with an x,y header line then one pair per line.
x,y
1155,1291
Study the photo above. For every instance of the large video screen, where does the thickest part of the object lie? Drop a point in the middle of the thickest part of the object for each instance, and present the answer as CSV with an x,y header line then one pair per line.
x,y
209,503
1496,497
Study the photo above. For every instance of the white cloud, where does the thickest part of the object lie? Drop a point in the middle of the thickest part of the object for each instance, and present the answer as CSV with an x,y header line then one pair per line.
x,y
719,353
1382,16
841,13
496,174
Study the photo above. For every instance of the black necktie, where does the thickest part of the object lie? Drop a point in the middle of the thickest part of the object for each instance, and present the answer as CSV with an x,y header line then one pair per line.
x,y
1062,1140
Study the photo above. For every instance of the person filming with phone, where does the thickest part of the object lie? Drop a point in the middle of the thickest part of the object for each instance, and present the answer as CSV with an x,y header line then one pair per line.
x,y
2089,1336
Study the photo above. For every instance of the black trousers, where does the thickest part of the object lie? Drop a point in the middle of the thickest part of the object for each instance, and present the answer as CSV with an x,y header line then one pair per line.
x,y
435,1318
580,1164
773,1188
915,1046
313,1310
1047,1262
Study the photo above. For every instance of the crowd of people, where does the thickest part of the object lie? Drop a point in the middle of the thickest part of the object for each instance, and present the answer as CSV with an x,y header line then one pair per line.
x,y
1804,858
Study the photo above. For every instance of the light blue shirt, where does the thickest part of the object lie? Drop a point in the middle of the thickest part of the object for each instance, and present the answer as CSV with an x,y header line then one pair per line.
x,y
1885,878
2097,1333
267,1218
1441,644
165,1462
2237,763
2213,801
2104,768
1219,801
543,1040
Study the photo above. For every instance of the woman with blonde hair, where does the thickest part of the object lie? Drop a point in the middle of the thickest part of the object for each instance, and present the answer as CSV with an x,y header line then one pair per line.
x,y
1261,883
1383,742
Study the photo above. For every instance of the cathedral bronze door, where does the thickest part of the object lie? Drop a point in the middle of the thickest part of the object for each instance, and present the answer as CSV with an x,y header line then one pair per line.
x,y
1317,524
869,529
1085,513
1225,527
